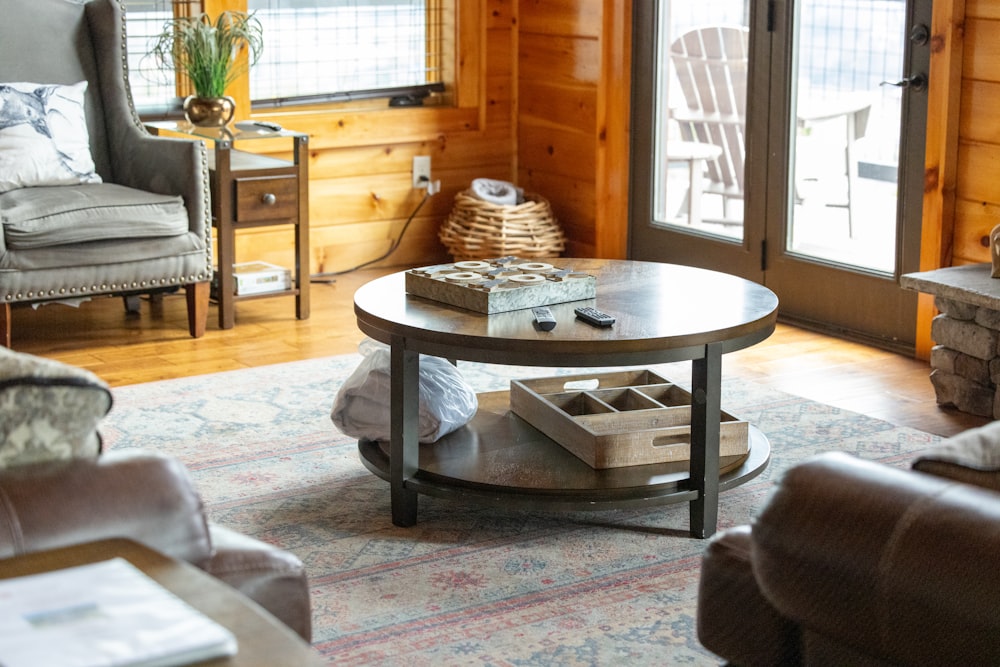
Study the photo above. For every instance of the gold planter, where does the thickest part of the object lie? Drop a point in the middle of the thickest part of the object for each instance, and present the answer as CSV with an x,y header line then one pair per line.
x,y
209,111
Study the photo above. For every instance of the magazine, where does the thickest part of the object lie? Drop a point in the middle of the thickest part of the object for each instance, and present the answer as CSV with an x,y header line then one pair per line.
x,y
105,614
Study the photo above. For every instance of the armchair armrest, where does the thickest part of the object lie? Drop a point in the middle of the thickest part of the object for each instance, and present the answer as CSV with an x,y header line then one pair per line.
x,y
166,165
896,564
273,578
140,495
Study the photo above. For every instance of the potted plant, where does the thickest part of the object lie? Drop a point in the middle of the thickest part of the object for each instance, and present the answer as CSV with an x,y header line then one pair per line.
x,y
208,53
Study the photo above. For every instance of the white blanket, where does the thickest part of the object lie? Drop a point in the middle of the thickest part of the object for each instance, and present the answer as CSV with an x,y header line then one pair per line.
x,y
496,192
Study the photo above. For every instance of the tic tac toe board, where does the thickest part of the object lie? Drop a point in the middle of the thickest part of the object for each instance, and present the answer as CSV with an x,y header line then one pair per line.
x,y
499,285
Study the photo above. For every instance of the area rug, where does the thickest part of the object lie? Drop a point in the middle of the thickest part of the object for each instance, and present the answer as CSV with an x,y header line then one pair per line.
x,y
467,585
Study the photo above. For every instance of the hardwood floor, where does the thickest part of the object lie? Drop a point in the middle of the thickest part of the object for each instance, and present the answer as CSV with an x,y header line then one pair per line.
x,y
154,345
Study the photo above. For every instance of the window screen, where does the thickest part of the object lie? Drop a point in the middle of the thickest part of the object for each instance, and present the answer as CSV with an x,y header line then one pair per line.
x,y
314,50
152,88
321,50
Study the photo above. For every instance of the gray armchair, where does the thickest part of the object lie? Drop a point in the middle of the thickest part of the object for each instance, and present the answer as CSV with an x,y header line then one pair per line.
x,y
145,226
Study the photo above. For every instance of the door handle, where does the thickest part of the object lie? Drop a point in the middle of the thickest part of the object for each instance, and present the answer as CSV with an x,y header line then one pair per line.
x,y
917,82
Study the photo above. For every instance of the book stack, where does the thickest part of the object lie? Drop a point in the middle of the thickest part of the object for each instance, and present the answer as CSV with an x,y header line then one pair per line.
x,y
257,278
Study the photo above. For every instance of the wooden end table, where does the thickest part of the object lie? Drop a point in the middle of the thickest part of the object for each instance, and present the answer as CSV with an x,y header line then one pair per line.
x,y
251,190
664,313
262,640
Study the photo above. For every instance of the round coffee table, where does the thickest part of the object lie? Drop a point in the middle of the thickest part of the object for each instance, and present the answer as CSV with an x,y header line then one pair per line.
x,y
664,313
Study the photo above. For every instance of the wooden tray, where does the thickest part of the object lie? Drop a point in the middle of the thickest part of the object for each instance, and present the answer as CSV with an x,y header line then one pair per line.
x,y
617,419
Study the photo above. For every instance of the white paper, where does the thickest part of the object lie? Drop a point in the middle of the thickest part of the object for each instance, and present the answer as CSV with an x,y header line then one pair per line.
x,y
105,614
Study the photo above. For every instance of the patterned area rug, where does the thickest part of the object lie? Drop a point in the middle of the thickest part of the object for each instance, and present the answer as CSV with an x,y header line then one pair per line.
x,y
466,585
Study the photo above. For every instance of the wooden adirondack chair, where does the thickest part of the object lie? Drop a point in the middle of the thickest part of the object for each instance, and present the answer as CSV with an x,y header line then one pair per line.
x,y
711,64
711,67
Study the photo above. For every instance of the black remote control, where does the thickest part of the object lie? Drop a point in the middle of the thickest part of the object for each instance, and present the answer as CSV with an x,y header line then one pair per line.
x,y
544,318
594,316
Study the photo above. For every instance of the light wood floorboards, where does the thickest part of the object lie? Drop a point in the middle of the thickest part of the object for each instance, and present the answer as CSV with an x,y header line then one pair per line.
x,y
154,345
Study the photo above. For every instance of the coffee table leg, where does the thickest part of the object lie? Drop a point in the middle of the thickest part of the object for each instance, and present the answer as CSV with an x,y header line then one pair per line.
x,y
404,402
706,415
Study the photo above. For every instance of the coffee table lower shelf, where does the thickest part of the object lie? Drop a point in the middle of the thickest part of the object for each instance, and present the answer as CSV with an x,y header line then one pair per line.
x,y
498,459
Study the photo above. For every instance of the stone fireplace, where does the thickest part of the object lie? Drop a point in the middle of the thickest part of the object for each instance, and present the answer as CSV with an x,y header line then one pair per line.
x,y
965,359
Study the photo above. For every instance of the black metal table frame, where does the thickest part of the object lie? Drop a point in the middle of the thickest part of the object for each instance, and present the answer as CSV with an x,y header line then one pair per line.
x,y
703,489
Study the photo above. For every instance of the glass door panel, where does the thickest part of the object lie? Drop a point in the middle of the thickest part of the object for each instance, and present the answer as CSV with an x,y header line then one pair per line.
x,y
700,114
827,211
845,140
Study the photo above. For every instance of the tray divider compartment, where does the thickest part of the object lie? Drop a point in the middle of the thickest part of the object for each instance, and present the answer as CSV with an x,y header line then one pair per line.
x,y
632,417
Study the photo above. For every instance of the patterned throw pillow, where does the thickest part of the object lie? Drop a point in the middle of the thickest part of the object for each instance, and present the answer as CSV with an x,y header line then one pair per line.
x,y
43,136
48,410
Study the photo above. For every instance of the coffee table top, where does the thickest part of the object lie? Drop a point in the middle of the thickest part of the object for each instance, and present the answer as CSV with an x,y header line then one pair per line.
x,y
664,312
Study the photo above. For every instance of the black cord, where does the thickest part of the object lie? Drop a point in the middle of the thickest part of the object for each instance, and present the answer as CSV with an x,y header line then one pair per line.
x,y
392,248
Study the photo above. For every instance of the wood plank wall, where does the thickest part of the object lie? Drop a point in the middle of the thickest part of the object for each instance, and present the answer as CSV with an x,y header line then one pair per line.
x,y
962,200
542,100
360,159
977,193
961,197
573,82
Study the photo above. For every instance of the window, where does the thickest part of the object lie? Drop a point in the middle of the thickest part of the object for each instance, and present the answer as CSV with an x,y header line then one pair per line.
x,y
322,50
152,89
315,50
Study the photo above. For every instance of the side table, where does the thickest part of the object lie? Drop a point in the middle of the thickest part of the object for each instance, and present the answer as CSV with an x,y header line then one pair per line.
x,y
252,190
262,639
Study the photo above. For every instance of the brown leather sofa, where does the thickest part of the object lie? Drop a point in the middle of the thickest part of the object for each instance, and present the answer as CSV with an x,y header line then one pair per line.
x,y
58,489
857,563
149,498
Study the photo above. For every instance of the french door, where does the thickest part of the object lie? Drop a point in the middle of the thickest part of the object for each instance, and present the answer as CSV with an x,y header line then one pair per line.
x,y
783,141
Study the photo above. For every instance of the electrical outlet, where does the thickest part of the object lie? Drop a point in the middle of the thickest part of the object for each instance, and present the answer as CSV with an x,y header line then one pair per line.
x,y
421,171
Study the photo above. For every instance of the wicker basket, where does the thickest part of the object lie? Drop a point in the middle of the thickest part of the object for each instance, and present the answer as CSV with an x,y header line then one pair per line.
x,y
477,229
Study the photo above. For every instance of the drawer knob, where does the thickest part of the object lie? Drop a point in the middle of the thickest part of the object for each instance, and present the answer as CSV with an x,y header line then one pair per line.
x,y
268,199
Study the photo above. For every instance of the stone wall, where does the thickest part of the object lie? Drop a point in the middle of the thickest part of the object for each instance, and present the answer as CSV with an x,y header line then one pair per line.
x,y
965,360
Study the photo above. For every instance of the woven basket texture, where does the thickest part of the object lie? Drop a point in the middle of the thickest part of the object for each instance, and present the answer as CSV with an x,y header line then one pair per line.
x,y
477,229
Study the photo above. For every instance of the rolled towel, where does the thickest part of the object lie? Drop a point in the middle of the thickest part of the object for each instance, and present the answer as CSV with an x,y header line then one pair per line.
x,y
495,192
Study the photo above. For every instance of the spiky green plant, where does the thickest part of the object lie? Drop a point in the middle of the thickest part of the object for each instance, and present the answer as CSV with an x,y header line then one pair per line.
x,y
206,52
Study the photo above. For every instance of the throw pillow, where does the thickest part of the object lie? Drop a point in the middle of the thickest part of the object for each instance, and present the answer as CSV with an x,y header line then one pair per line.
x,y
43,136
972,457
48,410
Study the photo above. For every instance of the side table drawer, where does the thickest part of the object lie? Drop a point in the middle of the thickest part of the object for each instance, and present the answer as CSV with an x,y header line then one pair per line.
x,y
266,198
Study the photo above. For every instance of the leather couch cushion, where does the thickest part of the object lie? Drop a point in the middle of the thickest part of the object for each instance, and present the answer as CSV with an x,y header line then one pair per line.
x,y
48,410
971,457
63,215
734,619
883,562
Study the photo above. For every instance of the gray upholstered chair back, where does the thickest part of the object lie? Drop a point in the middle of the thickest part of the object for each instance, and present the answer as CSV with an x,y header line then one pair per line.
x,y
91,49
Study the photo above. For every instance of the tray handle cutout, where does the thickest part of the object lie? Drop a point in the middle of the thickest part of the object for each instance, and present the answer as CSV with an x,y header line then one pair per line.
x,y
582,385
